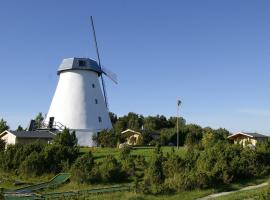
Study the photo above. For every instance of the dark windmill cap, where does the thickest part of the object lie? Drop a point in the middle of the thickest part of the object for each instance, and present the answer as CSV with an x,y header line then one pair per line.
x,y
69,64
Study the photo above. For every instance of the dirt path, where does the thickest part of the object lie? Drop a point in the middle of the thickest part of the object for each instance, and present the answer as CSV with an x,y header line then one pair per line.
x,y
231,192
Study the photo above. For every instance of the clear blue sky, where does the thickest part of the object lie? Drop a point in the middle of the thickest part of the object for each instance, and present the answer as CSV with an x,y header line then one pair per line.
x,y
214,55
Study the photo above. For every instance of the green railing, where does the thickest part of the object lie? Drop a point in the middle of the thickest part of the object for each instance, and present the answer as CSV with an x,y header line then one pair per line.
x,y
57,195
54,182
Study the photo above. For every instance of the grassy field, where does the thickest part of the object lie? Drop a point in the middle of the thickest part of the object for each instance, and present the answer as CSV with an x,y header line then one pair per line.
x,y
100,153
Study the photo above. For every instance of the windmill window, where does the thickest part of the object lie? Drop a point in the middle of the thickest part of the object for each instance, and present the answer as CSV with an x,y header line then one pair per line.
x,y
96,101
82,63
93,85
99,119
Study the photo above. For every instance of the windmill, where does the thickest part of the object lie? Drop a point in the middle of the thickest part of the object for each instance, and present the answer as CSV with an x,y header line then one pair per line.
x,y
80,102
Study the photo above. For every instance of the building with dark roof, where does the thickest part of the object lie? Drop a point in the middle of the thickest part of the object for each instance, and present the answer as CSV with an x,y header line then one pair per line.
x,y
245,138
27,137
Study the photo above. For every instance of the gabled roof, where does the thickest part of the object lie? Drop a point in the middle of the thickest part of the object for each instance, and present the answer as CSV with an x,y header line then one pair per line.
x,y
30,134
130,131
251,135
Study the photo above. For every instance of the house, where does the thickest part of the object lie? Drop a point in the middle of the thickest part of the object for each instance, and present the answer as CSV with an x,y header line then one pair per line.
x,y
132,137
245,138
27,137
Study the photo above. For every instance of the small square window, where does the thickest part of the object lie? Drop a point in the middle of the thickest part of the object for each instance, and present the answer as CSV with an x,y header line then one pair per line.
x,y
99,119
93,85
82,63
96,101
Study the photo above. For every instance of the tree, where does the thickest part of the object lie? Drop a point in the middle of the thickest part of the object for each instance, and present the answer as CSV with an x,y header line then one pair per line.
x,y
193,134
106,138
39,120
113,117
20,128
150,123
65,138
172,122
3,125
134,121
154,175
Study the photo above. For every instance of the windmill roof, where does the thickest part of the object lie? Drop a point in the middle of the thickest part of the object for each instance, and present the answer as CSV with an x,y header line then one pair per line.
x,y
79,64
31,134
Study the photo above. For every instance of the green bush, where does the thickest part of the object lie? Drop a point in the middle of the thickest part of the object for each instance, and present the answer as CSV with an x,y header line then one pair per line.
x,y
84,170
154,175
65,138
33,165
106,138
111,170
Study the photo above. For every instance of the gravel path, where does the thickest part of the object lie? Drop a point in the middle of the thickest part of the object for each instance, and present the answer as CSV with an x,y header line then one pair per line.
x,y
231,192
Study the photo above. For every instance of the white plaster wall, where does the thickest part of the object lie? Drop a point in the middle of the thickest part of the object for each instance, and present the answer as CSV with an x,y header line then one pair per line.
x,y
9,138
73,103
85,138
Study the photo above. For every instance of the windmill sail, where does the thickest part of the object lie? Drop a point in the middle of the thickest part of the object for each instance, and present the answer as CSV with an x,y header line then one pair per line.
x,y
99,63
110,74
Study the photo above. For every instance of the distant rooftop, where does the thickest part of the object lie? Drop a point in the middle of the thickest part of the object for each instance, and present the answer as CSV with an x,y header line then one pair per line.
x,y
79,64
253,135
33,134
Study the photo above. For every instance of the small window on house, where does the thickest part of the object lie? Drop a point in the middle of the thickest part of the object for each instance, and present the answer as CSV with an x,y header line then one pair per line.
x,y
93,85
96,101
82,63
99,119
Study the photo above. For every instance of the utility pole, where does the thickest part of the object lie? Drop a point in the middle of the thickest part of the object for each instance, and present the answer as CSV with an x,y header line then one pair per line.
x,y
177,121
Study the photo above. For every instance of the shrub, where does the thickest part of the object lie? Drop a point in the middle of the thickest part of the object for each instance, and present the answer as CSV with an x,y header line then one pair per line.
x,y
154,176
33,165
111,170
125,152
55,155
65,138
84,169
173,164
106,138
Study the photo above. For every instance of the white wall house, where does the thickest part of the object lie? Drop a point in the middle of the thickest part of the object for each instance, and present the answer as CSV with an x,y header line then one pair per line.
x,y
26,137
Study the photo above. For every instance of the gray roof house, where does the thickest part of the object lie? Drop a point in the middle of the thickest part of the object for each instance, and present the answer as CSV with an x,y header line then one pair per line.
x,y
27,137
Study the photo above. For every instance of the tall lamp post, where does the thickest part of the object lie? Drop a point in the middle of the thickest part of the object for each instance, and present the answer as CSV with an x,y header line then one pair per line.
x,y
177,122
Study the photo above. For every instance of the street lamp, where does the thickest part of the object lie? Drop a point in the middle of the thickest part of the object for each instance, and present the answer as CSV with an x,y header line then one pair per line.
x,y
177,123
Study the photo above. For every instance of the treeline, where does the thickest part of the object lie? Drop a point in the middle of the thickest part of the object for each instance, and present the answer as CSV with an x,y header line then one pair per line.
x,y
189,134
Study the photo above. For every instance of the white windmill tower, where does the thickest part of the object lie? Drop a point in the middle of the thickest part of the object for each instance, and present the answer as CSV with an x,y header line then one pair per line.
x,y
79,103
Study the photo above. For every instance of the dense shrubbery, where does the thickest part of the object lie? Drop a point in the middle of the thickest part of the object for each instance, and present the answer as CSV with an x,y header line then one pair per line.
x,y
210,163
37,159
86,170
210,160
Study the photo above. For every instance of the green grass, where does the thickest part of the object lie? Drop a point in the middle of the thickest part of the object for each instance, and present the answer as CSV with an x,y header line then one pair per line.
x,y
132,196
100,153
250,194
